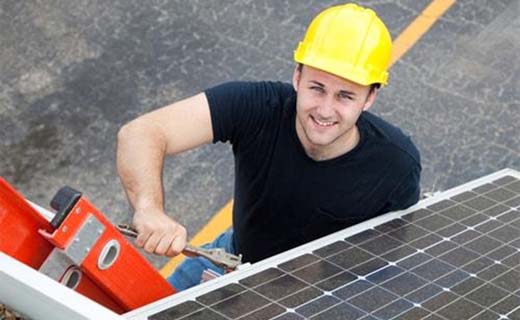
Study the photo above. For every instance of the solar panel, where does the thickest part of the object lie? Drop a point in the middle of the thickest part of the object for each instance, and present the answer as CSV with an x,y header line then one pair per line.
x,y
455,255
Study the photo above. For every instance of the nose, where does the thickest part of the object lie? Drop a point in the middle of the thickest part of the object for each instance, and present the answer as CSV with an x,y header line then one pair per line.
x,y
326,108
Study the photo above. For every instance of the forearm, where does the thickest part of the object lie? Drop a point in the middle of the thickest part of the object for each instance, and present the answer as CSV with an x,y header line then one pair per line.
x,y
142,145
140,156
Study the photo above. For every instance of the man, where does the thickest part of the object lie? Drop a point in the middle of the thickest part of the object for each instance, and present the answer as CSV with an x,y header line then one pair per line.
x,y
309,158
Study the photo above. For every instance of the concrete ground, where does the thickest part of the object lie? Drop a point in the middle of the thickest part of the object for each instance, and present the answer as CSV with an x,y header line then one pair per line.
x,y
72,72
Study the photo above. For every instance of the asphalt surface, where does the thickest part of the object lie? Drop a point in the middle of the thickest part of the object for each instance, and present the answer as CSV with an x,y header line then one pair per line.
x,y
72,72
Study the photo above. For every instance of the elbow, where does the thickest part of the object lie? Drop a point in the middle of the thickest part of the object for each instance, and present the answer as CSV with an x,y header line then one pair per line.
x,y
124,133
139,134
124,144
131,131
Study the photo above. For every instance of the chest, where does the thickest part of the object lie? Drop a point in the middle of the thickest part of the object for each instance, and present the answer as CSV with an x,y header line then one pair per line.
x,y
276,174
287,179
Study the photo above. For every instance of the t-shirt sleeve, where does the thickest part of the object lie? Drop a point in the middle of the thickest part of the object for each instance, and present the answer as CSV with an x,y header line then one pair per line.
x,y
239,110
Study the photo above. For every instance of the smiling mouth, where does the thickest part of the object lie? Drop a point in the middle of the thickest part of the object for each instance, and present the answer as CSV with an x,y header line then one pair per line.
x,y
323,123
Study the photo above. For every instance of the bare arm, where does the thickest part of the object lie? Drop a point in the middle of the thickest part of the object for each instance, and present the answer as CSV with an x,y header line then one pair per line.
x,y
142,145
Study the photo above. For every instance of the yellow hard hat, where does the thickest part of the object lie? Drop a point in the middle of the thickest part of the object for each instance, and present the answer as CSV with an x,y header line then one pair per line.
x,y
349,41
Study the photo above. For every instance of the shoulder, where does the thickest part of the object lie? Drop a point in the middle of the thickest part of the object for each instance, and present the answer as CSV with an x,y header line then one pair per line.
x,y
249,92
389,135
243,109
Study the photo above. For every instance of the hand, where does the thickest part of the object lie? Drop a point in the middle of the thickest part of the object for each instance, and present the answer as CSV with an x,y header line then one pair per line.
x,y
158,233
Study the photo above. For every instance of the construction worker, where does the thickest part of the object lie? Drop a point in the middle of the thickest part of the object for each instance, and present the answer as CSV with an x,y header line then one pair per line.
x,y
309,159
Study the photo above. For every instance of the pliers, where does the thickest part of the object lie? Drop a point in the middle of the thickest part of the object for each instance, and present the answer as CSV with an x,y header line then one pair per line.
x,y
229,262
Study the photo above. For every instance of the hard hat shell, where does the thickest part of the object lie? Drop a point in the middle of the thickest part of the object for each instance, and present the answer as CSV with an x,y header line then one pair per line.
x,y
348,41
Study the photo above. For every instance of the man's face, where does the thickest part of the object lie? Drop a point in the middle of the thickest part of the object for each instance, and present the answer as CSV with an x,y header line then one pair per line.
x,y
327,108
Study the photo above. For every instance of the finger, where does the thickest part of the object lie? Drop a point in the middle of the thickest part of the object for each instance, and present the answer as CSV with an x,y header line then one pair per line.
x,y
152,242
170,252
141,239
178,244
164,244
174,250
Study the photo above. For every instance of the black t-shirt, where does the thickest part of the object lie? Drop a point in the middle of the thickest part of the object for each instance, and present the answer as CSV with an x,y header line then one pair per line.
x,y
283,198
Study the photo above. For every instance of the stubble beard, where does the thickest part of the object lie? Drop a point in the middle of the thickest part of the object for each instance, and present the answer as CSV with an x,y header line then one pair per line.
x,y
319,151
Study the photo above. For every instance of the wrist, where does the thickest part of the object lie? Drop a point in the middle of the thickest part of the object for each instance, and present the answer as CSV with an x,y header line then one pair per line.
x,y
149,210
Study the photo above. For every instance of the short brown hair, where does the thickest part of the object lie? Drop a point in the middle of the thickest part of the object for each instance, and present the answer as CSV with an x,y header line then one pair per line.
x,y
373,86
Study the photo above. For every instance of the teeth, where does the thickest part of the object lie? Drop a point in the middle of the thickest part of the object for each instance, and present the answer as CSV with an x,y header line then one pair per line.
x,y
324,123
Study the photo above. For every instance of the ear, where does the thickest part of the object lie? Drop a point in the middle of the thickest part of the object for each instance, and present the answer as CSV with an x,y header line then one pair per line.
x,y
371,98
296,77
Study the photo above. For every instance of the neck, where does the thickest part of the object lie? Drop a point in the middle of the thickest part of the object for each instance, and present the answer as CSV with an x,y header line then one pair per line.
x,y
340,146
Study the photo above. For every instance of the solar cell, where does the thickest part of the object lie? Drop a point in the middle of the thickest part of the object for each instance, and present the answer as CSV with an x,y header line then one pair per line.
x,y
452,256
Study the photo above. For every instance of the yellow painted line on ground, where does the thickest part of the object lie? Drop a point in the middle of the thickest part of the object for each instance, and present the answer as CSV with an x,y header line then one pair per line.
x,y
418,27
219,223
222,220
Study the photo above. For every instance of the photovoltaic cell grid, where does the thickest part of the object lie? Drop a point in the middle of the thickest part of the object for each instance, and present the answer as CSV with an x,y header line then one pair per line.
x,y
458,258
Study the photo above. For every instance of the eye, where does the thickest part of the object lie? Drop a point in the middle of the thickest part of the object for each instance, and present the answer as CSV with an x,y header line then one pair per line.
x,y
344,95
317,89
